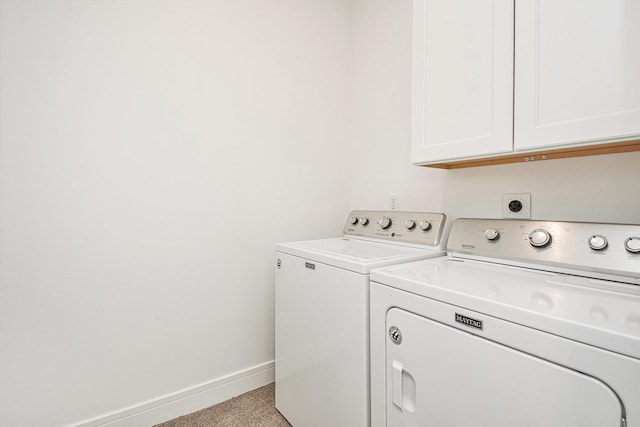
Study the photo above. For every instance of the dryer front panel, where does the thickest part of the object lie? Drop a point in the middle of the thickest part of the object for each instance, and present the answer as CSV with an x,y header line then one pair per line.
x,y
438,375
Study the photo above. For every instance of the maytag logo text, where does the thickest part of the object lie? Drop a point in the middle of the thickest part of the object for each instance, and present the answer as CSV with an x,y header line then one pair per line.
x,y
468,321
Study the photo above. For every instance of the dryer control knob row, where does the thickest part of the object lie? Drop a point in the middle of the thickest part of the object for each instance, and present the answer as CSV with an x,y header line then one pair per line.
x,y
539,238
598,242
632,244
491,234
424,225
384,222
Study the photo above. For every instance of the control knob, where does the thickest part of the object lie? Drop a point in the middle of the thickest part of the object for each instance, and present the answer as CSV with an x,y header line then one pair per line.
x,y
491,234
384,222
410,224
598,242
539,238
364,220
632,244
424,225
353,220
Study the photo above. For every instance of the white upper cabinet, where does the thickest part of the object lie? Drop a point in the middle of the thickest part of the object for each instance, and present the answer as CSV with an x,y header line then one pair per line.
x,y
577,68
494,78
462,78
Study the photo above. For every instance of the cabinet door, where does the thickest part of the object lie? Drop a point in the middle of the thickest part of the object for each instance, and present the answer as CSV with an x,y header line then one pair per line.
x,y
462,79
577,68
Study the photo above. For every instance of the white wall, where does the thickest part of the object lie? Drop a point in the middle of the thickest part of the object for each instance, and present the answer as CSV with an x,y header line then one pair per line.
x,y
380,149
152,152
596,188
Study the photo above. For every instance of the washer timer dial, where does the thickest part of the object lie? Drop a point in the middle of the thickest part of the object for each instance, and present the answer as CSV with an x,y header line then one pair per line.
x,y
491,234
424,225
539,238
598,242
632,244
384,222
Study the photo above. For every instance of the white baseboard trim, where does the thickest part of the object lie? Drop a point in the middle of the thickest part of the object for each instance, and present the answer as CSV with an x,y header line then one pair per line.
x,y
187,400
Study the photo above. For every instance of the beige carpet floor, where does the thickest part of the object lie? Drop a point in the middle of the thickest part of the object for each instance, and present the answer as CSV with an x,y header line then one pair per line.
x,y
256,408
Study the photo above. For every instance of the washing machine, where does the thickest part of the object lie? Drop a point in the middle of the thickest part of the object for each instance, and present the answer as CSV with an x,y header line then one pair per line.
x,y
322,312
523,323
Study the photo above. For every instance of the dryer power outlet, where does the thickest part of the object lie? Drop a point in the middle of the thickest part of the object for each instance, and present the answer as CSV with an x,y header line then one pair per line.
x,y
516,205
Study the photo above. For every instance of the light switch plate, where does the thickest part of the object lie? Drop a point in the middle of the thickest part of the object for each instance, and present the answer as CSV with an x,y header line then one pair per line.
x,y
512,201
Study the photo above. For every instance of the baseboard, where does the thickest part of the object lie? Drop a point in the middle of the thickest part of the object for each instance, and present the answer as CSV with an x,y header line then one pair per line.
x,y
187,400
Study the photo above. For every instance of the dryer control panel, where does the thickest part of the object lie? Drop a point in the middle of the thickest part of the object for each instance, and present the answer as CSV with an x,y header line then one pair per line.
x,y
593,248
423,228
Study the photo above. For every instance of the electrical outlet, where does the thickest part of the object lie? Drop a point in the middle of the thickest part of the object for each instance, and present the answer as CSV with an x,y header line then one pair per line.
x,y
516,205
393,201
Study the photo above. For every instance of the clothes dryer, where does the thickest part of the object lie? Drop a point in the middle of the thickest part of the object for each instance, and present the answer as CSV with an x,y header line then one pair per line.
x,y
524,323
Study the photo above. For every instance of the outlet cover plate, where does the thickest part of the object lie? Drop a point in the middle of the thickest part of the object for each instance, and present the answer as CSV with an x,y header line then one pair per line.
x,y
393,201
524,198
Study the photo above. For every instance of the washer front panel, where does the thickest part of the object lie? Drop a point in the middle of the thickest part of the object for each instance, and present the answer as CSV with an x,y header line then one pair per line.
x,y
321,343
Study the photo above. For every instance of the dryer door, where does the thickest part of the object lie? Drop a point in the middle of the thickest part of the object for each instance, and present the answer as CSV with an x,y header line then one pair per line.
x,y
442,376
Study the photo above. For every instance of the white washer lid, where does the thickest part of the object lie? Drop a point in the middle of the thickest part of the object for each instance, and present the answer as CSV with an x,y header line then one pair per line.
x,y
356,255
601,313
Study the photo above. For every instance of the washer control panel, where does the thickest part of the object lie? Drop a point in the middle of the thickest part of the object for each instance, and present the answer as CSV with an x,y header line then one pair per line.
x,y
590,247
422,228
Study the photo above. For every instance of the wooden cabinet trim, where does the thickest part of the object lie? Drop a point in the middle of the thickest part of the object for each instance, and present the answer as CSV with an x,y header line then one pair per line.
x,y
542,155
